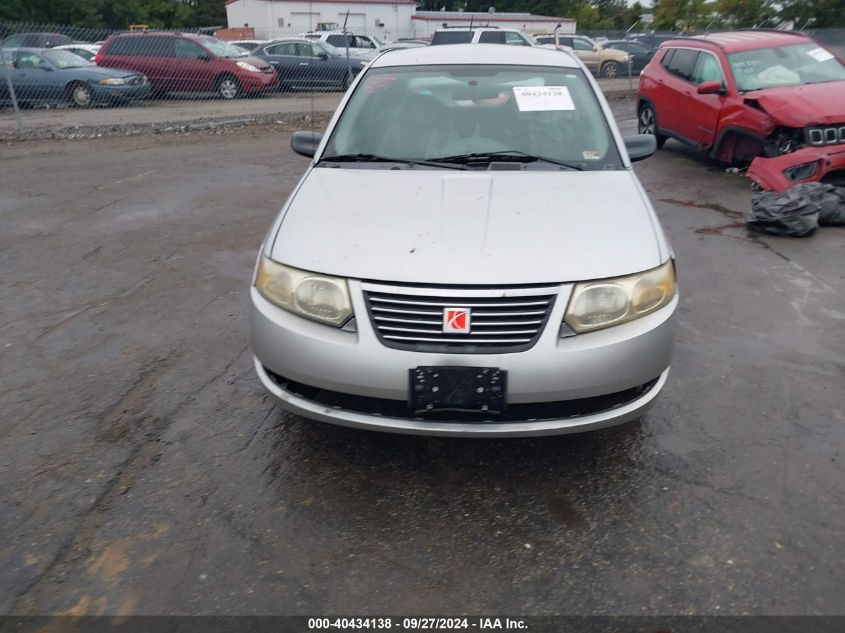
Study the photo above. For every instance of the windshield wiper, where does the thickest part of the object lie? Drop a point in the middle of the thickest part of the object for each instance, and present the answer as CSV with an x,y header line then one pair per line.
x,y
510,155
373,158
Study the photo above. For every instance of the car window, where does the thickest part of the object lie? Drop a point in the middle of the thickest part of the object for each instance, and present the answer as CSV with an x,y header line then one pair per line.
x,y
452,37
308,50
84,54
636,48
286,48
184,49
362,42
30,60
545,40
707,68
153,46
515,39
339,41
492,37
785,66
430,112
682,63
65,59
582,45
13,41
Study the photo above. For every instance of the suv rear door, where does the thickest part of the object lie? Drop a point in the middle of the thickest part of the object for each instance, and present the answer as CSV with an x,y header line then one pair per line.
x,y
701,112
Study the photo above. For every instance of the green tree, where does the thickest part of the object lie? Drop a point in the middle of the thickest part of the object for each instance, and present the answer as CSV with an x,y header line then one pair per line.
x,y
744,13
818,14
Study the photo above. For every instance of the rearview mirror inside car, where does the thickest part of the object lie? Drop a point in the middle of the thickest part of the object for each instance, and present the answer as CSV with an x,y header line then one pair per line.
x,y
710,88
306,143
640,146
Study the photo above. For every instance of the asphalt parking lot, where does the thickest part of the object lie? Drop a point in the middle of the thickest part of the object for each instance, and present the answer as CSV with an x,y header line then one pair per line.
x,y
143,470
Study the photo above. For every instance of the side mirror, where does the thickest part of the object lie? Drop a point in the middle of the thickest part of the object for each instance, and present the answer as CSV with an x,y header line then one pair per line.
x,y
710,88
306,143
323,56
640,146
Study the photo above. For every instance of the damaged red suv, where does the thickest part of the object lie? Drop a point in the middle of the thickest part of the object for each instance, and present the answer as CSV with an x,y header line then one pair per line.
x,y
775,99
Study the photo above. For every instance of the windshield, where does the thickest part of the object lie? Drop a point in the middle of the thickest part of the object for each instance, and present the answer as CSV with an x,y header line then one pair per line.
x,y
785,66
433,112
221,48
65,59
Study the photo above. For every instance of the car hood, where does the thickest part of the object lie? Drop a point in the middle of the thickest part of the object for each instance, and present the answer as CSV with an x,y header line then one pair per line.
x,y
797,106
95,73
450,227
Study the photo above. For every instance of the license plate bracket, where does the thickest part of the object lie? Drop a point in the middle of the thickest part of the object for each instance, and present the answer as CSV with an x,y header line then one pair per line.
x,y
461,389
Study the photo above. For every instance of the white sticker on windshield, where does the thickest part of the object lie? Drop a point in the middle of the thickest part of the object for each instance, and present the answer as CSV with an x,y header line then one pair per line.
x,y
543,98
820,55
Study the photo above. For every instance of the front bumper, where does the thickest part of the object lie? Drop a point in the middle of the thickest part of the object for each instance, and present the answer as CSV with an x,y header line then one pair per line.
x,y
631,358
258,82
768,173
119,93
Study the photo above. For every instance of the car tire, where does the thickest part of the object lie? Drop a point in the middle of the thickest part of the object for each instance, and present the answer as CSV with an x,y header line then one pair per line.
x,y
228,87
610,70
647,123
80,95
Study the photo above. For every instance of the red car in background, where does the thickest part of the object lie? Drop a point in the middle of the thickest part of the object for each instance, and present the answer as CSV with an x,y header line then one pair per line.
x,y
775,99
182,62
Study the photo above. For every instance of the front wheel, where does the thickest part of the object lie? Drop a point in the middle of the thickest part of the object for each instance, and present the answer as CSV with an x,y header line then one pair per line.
x,y
647,124
228,87
80,95
610,70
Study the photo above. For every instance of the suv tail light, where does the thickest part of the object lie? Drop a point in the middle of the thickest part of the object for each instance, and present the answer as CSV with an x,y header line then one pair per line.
x,y
98,57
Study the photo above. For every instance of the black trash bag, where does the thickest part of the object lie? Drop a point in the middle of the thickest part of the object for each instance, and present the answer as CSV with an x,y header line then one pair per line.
x,y
832,212
791,213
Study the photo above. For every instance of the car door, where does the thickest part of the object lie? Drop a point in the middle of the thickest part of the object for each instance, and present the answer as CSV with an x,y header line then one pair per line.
x,y
31,77
322,69
284,57
675,86
701,111
587,53
640,55
195,66
154,57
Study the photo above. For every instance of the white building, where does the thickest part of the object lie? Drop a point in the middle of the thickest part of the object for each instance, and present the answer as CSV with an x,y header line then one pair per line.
x,y
387,19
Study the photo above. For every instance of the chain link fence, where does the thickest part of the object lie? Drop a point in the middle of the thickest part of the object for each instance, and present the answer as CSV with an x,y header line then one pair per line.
x,y
50,67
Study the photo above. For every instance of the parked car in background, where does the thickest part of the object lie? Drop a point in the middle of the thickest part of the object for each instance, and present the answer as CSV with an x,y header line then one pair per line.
x,y
85,51
36,40
305,63
604,62
48,75
182,62
357,44
386,48
774,99
639,54
248,45
450,297
480,35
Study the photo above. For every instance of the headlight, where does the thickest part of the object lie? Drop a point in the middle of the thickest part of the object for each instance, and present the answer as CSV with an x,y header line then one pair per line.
x,y
598,304
248,66
112,81
802,171
318,297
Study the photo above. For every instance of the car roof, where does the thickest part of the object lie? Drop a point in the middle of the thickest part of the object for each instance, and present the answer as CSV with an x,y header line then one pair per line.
x,y
284,40
193,36
738,41
477,54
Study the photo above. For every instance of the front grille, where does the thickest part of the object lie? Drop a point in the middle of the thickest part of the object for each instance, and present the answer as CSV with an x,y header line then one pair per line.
x,y
828,135
502,320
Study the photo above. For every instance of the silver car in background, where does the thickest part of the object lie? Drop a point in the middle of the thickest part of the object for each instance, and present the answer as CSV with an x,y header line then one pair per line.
x,y
469,253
